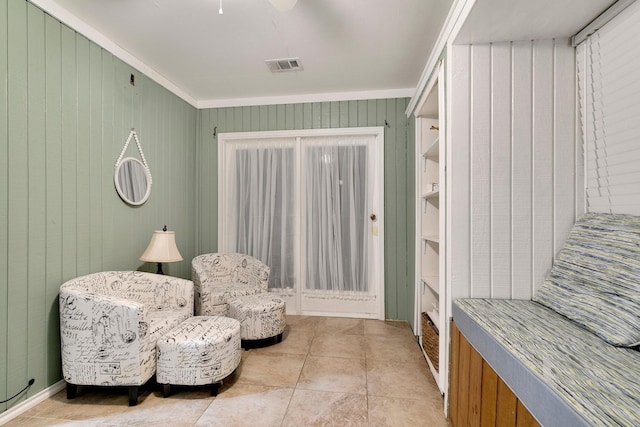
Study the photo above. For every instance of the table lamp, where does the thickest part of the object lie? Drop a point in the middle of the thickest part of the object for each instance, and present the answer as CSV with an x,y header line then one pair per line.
x,y
162,248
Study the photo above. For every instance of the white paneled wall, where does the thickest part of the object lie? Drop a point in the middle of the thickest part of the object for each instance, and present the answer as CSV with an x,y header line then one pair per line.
x,y
515,168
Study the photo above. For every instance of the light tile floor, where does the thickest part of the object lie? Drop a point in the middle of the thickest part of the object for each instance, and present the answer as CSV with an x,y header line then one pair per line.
x,y
325,372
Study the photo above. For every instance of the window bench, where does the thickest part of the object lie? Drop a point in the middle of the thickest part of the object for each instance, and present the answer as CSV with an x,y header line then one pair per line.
x,y
562,372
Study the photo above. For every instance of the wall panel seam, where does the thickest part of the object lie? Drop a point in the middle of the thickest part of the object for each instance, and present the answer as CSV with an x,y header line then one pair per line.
x,y
511,171
471,152
5,243
491,169
532,148
554,127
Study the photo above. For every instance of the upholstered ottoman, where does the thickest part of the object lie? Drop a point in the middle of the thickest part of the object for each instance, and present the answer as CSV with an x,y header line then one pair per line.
x,y
201,350
261,316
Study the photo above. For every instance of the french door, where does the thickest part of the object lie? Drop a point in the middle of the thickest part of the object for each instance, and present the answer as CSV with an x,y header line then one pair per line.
x,y
310,205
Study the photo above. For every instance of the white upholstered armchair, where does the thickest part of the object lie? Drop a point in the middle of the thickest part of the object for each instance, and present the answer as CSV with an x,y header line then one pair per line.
x,y
110,322
220,277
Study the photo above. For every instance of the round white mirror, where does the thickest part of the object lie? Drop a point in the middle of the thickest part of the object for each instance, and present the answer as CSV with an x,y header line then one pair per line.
x,y
133,181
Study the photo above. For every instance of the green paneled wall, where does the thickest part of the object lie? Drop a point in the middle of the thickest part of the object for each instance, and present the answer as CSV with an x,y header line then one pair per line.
x,y
399,185
66,108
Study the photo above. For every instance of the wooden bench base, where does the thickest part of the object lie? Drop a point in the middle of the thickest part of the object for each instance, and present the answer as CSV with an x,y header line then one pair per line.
x,y
478,396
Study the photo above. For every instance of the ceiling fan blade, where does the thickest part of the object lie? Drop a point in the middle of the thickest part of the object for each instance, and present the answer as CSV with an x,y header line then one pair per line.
x,y
283,5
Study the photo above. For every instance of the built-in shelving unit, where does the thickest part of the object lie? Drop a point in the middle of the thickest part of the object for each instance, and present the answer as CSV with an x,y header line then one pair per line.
x,y
430,235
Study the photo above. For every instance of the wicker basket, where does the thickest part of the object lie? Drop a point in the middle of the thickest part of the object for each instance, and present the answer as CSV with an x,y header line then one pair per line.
x,y
430,340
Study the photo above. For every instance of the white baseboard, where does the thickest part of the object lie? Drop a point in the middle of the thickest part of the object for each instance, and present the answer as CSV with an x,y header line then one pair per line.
x,y
22,407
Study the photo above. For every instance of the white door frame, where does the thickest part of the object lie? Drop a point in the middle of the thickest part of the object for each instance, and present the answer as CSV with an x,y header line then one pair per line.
x,y
377,229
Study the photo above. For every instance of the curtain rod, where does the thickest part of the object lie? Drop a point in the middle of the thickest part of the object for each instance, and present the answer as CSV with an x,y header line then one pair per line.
x,y
606,16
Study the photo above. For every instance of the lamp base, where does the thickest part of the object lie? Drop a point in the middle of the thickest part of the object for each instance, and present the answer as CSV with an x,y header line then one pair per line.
x,y
160,269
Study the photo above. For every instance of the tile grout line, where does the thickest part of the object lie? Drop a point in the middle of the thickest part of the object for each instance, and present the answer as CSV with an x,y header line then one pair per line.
x,y
295,387
366,379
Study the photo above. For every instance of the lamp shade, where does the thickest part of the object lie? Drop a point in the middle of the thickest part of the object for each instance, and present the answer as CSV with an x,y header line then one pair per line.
x,y
162,248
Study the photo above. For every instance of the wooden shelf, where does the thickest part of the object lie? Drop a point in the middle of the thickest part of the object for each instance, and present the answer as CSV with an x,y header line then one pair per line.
x,y
432,239
433,151
431,194
433,282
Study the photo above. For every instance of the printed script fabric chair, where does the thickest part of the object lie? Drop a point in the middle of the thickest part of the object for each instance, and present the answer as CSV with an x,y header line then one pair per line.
x,y
110,322
221,277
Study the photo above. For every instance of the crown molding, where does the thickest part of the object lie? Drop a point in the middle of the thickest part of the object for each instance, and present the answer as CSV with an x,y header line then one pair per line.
x,y
305,98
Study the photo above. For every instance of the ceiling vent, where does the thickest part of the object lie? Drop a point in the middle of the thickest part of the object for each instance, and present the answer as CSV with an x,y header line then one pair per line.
x,y
282,65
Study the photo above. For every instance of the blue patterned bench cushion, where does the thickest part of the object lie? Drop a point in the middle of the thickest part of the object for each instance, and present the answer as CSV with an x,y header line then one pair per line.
x,y
562,373
595,279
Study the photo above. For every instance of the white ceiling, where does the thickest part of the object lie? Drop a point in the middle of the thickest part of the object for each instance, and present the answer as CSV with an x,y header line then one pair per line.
x,y
343,45
350,49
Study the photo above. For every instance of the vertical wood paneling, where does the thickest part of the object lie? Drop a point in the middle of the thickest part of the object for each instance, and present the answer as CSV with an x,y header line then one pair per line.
x,y
543,161
362,112
213,191
501,170
477,395
392,300
454,373
582,127
475,388
69,152
399,292
463,382
246,117
564,154
396,279
507,404
107,160
273,117
512,116
481,171
95,143
36,326
372,116
459,163
53,188
306,116
353,113
289,117
18,226
83,168
522,161
343,108
325,111
207,147
188,145
489,395
4,197
120,216
254,117
298,116
334,121
65,108
405,296
410,214
524,417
